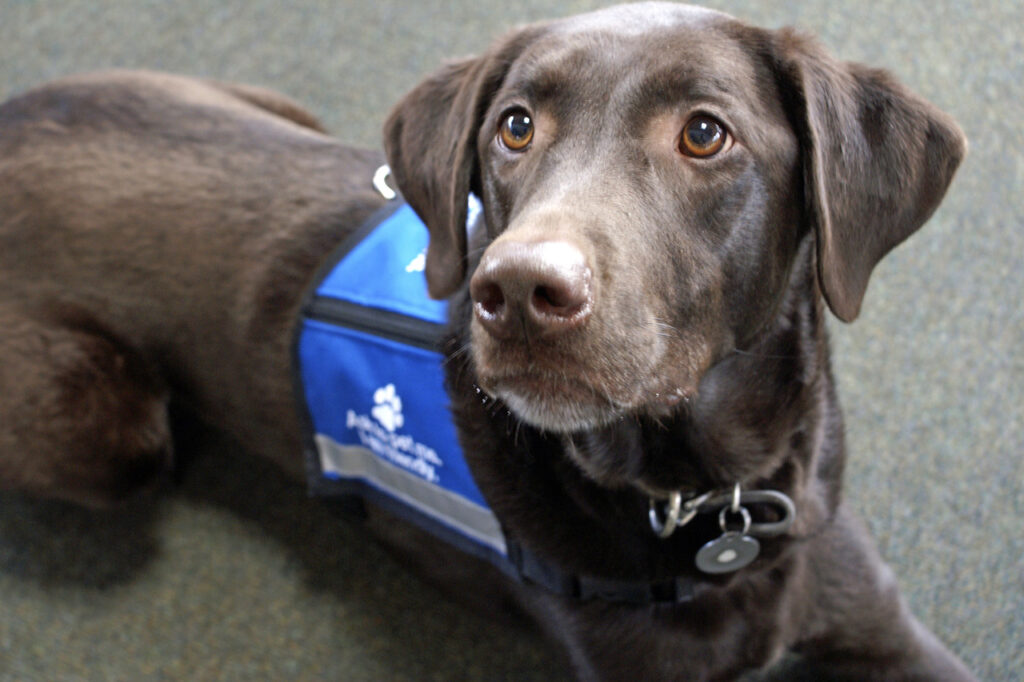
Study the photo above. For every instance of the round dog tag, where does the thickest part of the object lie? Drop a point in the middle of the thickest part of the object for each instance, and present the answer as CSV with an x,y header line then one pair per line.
x,y
730,552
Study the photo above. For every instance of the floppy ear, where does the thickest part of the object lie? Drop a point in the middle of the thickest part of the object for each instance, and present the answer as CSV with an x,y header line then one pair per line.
x,y
430,141
876,158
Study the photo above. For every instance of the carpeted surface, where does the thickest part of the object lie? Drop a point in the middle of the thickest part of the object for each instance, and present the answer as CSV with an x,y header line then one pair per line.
x,y
235,575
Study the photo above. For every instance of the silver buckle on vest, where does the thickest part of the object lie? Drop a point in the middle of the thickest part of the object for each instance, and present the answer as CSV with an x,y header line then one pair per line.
x,y
380,182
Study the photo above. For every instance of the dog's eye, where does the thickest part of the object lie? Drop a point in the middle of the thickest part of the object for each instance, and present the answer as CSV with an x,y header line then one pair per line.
x,y
516,131
702,137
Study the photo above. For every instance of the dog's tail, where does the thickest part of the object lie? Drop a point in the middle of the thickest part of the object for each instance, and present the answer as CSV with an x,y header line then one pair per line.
x,y
273,102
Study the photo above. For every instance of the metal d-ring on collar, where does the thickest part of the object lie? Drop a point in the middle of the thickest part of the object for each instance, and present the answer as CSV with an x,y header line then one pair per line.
x,y
380,182
679,512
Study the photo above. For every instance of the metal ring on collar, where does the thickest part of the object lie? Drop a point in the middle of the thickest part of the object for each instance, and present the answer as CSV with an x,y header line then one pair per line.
x,y
744,515
674,507
780,501
677,514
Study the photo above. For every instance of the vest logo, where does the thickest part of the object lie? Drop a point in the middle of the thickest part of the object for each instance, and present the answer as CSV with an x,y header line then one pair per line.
x,y
388,408
380,432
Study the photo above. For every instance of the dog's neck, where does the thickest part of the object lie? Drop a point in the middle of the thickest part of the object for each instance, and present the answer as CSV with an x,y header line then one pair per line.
x,y
759,418
757,409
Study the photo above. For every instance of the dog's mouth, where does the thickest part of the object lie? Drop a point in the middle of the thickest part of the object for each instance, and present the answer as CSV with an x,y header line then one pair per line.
x,y
621,362
588,380
556,404
565,403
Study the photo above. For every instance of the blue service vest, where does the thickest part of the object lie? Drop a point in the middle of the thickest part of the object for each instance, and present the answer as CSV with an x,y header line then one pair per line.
x,y
371,379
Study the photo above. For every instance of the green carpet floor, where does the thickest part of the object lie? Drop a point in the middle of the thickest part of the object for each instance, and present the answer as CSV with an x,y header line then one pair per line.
x,y
235,575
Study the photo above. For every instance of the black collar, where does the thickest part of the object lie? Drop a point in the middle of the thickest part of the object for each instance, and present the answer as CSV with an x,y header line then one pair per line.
x,y
530,568
534,570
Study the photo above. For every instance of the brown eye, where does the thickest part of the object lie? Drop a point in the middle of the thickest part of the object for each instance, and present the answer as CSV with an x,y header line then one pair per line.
x,y
516,131
702,137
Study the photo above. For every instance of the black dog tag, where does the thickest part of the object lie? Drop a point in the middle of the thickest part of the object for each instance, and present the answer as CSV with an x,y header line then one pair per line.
x,y
730,552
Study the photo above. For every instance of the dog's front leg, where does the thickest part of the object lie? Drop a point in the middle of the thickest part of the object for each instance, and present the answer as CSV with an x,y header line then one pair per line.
x,y
864,629
708,640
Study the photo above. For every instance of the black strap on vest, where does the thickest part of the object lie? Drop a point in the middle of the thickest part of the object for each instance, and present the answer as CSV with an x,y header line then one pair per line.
x,y
530,569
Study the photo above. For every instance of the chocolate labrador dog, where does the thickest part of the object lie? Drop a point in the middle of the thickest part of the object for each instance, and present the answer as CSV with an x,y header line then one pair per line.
x,y
638,363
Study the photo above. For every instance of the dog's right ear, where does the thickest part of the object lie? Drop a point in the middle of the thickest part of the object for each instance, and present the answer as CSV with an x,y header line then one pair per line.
x,y
430,140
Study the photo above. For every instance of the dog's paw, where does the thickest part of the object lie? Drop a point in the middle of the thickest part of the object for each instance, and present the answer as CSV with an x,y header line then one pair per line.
x,y
388,408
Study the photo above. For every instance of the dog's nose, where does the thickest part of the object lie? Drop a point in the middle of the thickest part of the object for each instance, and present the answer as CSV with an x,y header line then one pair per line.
x,y
534,288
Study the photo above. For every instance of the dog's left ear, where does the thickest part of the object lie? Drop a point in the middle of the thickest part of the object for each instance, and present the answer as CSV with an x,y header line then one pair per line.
x,y
430,141
876,158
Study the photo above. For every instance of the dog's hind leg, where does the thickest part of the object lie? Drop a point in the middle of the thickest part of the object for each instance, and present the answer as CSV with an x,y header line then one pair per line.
x,y
81,416
273,102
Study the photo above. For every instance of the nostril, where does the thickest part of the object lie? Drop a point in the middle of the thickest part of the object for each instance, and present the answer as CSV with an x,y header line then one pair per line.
x,y
563,299
489,299
549,297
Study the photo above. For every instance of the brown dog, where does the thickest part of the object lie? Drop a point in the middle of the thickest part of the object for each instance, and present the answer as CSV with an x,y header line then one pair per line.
x,y
668,196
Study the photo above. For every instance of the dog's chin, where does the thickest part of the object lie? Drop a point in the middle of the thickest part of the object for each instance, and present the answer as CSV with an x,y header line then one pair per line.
x,y
566,408
559,416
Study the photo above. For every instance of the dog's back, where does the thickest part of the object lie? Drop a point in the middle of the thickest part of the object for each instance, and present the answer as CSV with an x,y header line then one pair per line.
x,y
127,200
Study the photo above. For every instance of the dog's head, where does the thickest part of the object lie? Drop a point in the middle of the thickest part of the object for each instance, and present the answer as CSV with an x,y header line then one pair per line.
x,y
648,174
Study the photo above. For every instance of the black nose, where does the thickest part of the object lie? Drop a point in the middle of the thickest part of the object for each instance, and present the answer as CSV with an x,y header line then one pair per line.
x,y
534,288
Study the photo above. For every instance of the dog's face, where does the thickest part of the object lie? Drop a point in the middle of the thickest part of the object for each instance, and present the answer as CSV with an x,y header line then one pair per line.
x,y
664,170
648,174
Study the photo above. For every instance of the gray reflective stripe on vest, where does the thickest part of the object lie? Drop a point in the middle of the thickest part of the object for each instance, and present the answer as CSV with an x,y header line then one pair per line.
x,y
353,461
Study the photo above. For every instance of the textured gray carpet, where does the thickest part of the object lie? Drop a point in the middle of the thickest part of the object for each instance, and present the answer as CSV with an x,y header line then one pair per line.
x,y
236,576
